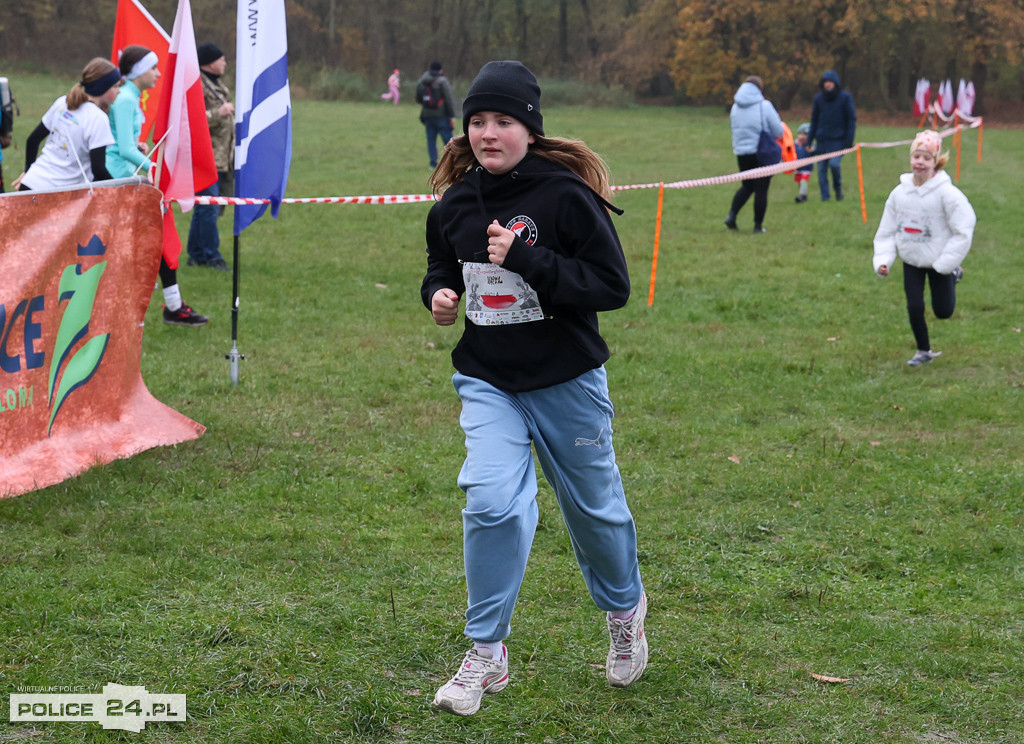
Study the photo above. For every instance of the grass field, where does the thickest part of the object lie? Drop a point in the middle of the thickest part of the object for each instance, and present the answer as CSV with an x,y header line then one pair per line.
x,y
806,502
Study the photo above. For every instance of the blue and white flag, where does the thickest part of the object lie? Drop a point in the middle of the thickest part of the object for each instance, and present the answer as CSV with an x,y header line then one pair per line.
x,y
263,109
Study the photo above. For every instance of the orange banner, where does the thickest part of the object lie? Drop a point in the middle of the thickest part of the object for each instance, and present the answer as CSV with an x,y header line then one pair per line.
x,y
77,270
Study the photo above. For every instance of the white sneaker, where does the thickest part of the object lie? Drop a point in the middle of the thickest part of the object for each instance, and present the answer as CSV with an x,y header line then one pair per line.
x,y
923,356
478,674
627,657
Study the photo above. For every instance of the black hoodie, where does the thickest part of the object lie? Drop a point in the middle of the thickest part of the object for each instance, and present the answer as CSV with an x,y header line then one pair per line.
x,y
567,250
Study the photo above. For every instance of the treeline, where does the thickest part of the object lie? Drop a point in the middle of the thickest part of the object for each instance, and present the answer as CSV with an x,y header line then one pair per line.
x,y
682,50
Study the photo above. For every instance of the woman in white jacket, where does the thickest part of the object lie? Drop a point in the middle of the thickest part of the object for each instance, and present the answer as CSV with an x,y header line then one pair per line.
x,y
929,224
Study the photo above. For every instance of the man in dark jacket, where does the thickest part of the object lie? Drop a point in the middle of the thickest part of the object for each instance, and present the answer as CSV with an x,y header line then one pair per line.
x,y
437,115
833,123
203,235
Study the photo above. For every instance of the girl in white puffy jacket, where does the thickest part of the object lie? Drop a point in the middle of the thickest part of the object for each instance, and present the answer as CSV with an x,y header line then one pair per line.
x,y
929,224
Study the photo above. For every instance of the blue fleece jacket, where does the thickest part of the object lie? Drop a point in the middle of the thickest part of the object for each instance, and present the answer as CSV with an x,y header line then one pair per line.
x,y
749,110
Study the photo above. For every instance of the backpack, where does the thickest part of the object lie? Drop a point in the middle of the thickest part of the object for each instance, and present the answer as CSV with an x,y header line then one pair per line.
x,y
7,108
788,147
427,96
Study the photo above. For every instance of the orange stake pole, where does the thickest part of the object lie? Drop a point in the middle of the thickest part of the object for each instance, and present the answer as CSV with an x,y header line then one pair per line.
x,y
981,128
657,240
860,178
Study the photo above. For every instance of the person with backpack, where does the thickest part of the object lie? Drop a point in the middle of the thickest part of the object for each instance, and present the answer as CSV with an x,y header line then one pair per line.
x,y
751,114
434,94
6,122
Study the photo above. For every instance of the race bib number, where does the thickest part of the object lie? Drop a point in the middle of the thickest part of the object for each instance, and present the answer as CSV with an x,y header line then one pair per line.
x,y
497,296
915,228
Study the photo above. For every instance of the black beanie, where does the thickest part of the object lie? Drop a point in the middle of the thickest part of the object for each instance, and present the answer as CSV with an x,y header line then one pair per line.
x,y
507,87
209,53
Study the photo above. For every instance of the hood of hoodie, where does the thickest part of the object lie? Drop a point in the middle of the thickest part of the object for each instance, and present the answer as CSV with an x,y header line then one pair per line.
x,y
518,180
830,95
940,179
748,95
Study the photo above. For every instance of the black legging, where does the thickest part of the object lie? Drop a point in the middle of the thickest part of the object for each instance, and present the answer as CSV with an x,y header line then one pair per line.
x,y
168,276
756,186
943,288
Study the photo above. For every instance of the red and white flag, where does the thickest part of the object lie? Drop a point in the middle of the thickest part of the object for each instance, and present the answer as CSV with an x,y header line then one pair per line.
x,y
186,164
965,97
134,25
921,96
946,99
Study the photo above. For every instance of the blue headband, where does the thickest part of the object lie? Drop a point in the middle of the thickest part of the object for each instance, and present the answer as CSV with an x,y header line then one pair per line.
x,y
101,85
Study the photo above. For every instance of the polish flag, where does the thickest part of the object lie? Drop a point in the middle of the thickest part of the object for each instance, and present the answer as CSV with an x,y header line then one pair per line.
x,y
921,96
134,25
965,97
186,163
946,99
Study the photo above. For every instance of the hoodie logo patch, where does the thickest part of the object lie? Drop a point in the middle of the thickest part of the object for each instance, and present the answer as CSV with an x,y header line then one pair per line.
x,y
524,227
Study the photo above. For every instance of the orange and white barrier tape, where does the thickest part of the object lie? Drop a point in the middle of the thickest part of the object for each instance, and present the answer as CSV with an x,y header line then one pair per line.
x,y
970,122
378,199
767,170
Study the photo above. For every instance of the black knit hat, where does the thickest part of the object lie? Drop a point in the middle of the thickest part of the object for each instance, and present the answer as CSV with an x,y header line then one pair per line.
x,y
208,53
507,87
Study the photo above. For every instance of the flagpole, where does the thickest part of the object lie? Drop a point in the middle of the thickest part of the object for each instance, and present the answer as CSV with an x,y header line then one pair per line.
x,y
155,151
233,356
263,143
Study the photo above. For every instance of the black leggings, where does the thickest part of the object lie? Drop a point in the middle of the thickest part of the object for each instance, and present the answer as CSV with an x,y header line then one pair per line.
x,y
756,186
168,276
943,288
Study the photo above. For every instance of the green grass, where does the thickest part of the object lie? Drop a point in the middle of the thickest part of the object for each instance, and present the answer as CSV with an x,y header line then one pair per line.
x,y
806,503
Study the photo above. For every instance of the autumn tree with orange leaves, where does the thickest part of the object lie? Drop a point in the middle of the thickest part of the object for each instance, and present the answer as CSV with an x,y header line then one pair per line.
x,y
682,50
878,48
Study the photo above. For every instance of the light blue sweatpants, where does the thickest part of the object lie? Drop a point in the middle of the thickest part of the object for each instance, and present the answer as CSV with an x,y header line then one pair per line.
x,y
570,425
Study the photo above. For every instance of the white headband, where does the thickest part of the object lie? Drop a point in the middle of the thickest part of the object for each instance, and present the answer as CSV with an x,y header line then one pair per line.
x,y
145,64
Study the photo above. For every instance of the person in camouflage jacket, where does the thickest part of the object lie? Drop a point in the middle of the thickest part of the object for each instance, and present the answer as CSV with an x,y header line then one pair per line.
x,y
203,235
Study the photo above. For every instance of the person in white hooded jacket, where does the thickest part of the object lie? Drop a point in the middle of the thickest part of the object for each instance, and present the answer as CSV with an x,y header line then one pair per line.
x,y
750,114
929,224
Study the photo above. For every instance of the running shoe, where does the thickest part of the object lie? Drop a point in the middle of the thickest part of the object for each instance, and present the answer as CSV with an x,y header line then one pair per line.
x,y
184,316
627,657
921,357
478,674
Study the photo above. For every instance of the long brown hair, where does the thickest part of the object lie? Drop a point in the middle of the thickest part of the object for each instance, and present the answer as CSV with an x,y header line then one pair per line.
x,y
572,154
97,68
